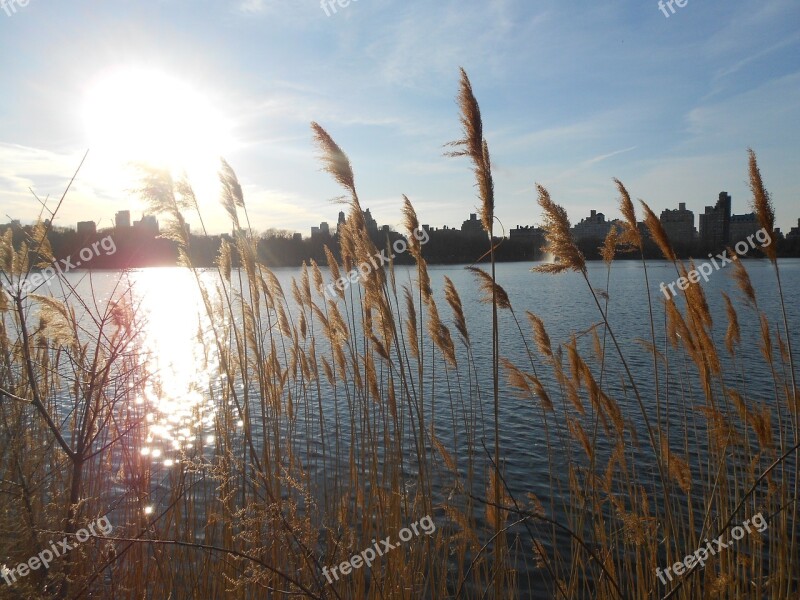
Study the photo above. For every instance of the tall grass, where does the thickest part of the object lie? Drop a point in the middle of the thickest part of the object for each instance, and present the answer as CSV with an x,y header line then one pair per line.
x,y
341,420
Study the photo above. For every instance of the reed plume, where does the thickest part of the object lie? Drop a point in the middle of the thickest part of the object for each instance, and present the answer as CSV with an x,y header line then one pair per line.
x,y
609,248
762,203
454,300
742,279
334,160
558,238
631,235
474,146
492,290
658,234
733,335
232,195
540,335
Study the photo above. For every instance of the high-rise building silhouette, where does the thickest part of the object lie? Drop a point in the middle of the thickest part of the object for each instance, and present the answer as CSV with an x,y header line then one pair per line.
x,y
122,219
679,224
594,226
715,222
147,224
794,232
87,228
719,227
473,226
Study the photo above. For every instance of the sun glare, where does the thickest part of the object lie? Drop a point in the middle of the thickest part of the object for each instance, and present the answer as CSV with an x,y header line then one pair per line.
x,y
141,115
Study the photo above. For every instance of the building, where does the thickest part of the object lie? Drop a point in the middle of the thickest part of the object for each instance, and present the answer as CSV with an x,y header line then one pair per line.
x,y
87,228
323,229
718,227
147,224
341,222
372,225
715,222
526,233
679,224
473,226
594,226
794,232
122,220
742,226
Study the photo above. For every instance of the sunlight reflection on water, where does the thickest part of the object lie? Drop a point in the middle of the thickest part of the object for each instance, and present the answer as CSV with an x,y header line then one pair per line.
x,y
181,359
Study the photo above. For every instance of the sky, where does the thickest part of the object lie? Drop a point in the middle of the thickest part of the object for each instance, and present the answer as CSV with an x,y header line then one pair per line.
x,y
572,95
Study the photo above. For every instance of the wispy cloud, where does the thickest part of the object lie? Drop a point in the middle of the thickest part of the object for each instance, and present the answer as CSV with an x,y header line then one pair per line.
x,y
603,157
254,7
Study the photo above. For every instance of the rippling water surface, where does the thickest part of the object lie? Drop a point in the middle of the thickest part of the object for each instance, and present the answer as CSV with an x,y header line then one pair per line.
x,y
181,410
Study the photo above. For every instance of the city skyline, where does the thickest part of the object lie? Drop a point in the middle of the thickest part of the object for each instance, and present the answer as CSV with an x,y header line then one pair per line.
x,y
666,215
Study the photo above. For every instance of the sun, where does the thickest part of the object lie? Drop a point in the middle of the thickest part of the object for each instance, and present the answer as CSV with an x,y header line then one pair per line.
x,y
139,115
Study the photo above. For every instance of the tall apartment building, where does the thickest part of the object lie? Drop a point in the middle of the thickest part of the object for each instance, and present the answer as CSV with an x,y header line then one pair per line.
x,y
527,233
324,230
87,228
148,224
372,225
679,224
794,232
715,222
594,226
473,226
122,219
743,226
718,227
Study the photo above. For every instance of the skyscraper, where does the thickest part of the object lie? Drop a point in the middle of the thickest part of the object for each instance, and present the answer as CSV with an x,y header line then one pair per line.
x,y
679,224
122,219
715,222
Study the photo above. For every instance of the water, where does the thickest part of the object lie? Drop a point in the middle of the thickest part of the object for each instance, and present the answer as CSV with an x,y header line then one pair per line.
x,y
181,409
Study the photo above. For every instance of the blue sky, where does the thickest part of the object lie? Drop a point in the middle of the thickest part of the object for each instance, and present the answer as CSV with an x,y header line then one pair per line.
x,y
572,94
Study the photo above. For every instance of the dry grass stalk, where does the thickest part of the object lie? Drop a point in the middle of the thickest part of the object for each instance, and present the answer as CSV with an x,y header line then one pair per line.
x,y
762,203
475,147
490,289
631,235
658,234
558,238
